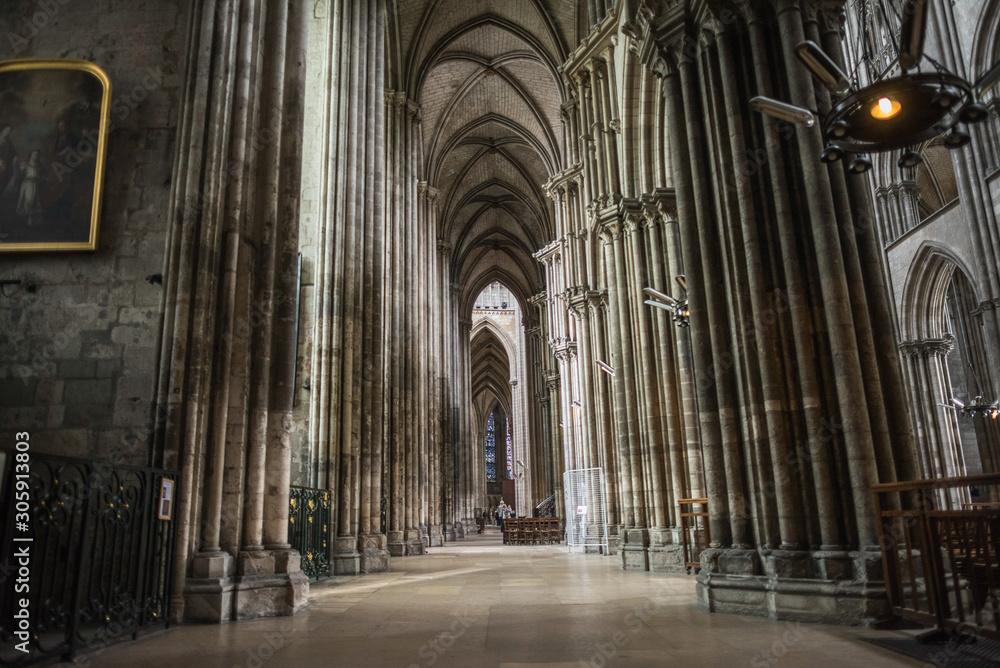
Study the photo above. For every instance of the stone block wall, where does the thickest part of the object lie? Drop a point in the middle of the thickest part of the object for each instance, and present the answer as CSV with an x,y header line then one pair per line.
x,y
78,356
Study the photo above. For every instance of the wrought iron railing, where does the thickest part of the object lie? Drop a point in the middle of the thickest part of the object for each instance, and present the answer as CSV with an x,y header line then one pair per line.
x,y
942,565
100,558
695,534
309,529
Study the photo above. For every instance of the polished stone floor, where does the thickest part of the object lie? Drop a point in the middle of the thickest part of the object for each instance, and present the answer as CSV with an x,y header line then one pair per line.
x,y
479,603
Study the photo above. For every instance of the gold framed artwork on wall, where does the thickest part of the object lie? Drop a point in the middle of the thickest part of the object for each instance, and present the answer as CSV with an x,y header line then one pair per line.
x,y
54,120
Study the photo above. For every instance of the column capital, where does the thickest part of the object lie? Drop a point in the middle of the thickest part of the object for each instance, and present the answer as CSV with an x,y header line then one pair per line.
x,y
443,247
549,252
576,300
611,230
927,347
563,348
597,300
987,305
427,192
413,111
552,380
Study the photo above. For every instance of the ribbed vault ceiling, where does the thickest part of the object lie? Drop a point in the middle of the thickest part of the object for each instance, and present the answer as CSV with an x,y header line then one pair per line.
x,y
490,369
484,75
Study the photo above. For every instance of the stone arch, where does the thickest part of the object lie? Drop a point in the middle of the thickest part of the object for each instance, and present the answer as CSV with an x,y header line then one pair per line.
x,y
923,309
928,348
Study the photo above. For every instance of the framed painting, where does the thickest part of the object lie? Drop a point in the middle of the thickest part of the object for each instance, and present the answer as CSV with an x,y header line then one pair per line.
x,y
54,119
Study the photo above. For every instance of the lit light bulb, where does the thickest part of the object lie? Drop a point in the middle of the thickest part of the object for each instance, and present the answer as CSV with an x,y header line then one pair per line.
x,y
885,108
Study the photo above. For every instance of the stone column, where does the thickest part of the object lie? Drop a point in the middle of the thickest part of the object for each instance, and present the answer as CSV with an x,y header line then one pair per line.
x,y
227,358
937,428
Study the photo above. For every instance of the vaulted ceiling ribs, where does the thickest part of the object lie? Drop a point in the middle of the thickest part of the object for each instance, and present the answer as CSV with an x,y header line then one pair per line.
x,y
484,74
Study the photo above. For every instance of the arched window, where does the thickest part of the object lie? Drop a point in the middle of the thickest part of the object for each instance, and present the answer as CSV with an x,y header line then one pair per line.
x,y
491,450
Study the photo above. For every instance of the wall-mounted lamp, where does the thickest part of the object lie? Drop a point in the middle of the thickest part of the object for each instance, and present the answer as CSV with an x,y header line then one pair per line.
x,y
679,308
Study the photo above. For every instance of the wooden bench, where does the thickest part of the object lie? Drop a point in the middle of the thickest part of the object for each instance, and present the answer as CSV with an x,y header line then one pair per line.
x,y
531,531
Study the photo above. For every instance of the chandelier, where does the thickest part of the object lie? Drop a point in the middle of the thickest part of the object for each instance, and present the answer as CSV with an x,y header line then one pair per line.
x,y
909,101
977,407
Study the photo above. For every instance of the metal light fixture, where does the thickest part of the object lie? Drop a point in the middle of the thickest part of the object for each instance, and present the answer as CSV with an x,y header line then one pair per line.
x,y
783,111
912,33
832,153
860,165
902,106
678,308
957,139
910,159
840,129
822,67
605,367
977,407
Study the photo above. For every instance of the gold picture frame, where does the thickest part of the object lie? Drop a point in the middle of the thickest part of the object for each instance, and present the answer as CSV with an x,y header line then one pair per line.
x,y
54,124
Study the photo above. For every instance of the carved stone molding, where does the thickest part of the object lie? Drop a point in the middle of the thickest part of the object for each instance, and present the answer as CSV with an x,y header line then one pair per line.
x,y
927,347
539,299
552,380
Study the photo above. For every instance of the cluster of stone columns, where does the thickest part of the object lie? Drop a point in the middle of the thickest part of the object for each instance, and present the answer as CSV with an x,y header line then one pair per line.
x,y
926,372
227,350
388,353
617,234
783,401
897,205
352,289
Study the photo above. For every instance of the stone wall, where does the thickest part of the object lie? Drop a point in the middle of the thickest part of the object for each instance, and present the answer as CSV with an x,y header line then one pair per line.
x,y
78,356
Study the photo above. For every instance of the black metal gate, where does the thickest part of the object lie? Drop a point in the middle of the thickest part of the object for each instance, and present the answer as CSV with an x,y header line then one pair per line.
x,y
309,529
101,560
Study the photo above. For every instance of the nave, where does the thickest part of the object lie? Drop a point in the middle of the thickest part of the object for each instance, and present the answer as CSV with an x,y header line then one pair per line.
x,y
481,603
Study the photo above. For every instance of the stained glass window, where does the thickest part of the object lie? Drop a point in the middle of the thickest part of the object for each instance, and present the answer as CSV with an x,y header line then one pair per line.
x,y
510,455
491,451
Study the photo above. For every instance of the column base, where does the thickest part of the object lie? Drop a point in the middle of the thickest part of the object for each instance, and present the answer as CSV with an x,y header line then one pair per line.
x,y
270,584
634,554
395,544
666,552
435,536
459,530
448,532
414,542
831,587
346,558
614,539
208,592
374,553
